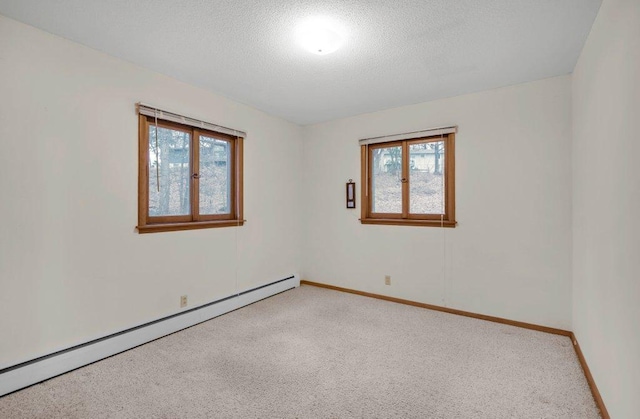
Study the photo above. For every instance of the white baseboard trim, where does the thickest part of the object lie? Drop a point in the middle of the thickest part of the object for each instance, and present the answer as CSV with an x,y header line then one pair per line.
x,y
40,369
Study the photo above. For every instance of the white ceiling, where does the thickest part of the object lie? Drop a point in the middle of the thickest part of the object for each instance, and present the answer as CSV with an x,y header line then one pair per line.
x,y
397,52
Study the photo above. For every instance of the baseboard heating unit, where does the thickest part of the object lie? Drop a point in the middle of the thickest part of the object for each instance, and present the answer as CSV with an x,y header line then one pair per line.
x,y
48,366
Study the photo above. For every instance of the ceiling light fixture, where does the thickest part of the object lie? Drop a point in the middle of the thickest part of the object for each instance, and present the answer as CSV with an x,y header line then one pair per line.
x,y
320,35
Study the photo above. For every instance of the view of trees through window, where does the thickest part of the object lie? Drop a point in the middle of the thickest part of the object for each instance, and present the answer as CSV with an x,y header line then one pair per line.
x,y
170,173
426,178
215,176
386,180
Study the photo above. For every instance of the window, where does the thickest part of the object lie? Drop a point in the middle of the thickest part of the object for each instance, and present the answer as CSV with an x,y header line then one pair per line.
x,y
189,177
409,181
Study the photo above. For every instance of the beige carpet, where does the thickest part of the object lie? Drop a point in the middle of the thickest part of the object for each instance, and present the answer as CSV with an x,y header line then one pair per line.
x,y
315,353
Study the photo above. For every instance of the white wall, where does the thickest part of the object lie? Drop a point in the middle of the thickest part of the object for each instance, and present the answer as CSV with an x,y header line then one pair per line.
x,y
606,205
72,267
510,255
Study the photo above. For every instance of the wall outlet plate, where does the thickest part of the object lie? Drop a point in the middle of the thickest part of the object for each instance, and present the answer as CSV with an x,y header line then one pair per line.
x,y
387,279
183,301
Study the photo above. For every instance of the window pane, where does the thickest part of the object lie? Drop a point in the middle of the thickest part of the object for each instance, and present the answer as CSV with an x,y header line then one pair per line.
x,y
169,172
386,180
426,184
215,176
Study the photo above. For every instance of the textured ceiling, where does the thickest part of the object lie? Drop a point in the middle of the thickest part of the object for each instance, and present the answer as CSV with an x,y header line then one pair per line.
x,y
397,52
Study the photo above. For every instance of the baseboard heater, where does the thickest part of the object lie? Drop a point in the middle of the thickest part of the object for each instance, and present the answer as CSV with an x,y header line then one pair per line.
x,y
45,367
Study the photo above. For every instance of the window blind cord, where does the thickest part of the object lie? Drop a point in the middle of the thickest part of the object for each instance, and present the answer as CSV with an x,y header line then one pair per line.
x,y
366,174
237,209
155,114
444,237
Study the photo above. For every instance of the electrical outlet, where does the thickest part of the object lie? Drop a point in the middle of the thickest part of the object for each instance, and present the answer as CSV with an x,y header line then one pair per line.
x,y
183,301
387,279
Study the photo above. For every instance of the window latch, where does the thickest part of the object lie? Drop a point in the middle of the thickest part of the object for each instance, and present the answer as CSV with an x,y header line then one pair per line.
x,y
404,180
195,176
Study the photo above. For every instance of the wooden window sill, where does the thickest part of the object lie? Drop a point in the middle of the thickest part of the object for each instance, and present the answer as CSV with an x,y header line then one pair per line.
x,y
156,228
408,222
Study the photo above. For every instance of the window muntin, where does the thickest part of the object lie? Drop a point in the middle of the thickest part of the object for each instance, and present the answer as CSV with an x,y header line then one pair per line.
x,y
189,178
409,182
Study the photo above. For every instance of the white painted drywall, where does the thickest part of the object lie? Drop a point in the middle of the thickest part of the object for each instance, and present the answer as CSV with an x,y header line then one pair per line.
x,y
72,267
510,255
606,205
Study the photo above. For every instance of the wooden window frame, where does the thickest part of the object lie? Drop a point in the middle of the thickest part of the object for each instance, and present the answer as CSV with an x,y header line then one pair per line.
x,y
153,224
406,218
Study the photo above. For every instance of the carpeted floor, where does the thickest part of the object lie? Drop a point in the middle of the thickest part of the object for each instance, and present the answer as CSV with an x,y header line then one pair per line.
x,y
316,353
